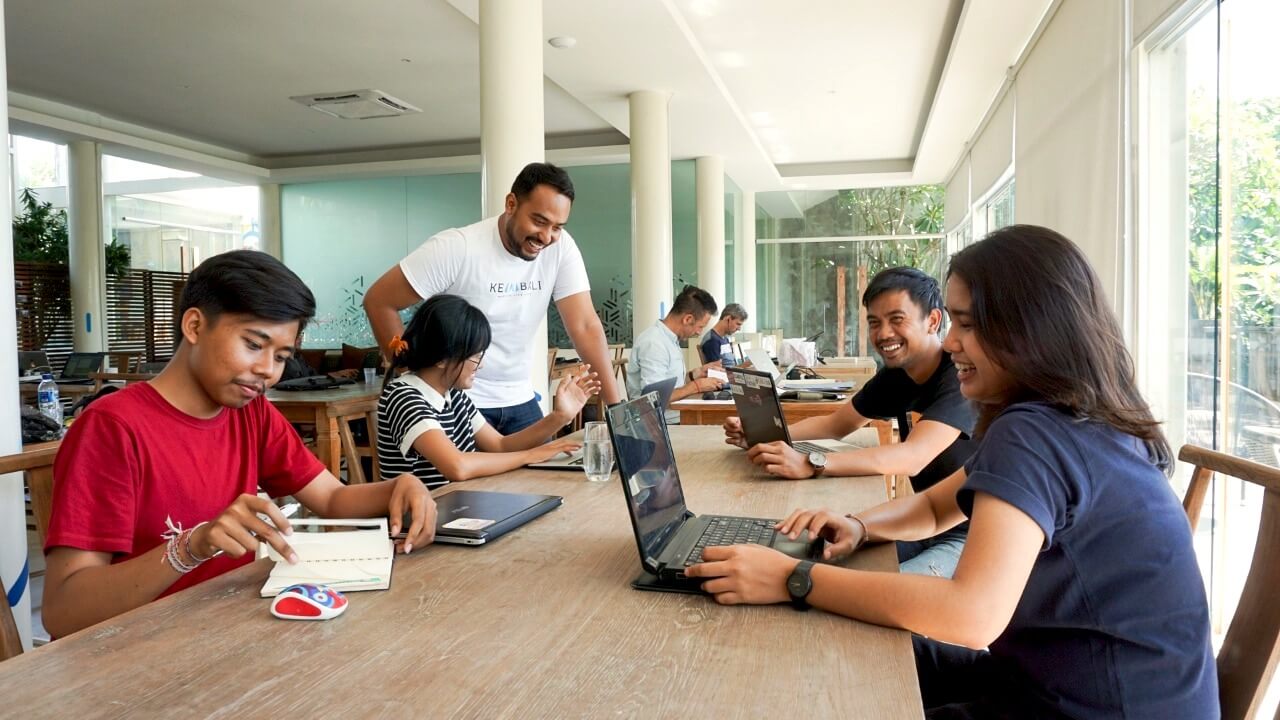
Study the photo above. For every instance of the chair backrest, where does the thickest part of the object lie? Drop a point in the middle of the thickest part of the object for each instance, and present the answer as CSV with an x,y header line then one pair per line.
x,y
1247,660
10,640
37,463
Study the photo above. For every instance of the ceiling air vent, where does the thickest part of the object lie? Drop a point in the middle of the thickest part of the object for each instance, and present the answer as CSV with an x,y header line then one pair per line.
x,y
356,104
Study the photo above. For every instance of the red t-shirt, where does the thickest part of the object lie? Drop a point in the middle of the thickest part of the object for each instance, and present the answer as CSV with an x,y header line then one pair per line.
x,y
131,459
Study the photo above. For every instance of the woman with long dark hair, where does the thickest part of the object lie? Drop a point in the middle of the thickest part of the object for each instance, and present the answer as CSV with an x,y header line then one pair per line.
x,y
1077,594
429,427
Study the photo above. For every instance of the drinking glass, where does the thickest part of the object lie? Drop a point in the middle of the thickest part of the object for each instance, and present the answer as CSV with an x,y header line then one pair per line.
x,y
597,452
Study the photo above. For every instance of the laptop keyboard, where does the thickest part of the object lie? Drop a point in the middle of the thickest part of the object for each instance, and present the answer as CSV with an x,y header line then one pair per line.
x,y
732,531
807,448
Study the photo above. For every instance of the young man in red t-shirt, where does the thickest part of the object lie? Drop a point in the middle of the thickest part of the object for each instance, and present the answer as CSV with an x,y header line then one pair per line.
x,y
155,486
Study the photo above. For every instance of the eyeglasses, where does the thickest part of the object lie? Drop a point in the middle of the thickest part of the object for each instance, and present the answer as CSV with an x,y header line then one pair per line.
x,y
477,360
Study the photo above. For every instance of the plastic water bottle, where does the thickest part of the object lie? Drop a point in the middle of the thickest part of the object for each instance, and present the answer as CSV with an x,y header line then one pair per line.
x,y
47,398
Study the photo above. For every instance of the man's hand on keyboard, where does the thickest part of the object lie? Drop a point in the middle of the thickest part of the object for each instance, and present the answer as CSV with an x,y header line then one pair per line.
x,y
779,458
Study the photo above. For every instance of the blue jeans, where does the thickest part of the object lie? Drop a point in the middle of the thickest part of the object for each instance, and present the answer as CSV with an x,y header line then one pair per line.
x,y
513,418
936,556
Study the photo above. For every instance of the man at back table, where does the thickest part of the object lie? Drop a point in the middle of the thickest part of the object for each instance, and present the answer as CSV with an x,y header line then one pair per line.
x,y
510,266
656,354
715,344
904,317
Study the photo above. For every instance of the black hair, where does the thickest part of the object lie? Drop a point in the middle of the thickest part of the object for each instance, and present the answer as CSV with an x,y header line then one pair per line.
x,y
445,327
921,287
693,300
535,174
1038,310
248,282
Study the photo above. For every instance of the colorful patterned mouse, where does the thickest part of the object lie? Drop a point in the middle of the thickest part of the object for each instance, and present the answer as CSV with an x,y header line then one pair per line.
x,y
308,602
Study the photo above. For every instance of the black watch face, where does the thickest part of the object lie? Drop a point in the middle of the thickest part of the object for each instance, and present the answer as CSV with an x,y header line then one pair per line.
x,y
799,583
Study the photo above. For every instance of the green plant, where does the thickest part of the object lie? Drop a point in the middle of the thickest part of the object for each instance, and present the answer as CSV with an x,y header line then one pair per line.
x,y
40,235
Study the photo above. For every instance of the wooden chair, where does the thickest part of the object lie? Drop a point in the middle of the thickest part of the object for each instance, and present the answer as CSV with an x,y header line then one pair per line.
x,y
1247,660
10,640
128,378
353,452
37,462
124,362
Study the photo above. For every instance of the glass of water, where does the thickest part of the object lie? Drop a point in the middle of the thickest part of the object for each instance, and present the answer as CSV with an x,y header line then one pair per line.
x,y
597,452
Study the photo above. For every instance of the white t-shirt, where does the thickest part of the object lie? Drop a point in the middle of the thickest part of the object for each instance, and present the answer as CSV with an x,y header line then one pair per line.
x,y
513,293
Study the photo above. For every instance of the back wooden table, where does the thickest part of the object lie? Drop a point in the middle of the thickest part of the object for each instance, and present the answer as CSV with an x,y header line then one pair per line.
x,y
543,623
714,412
326,409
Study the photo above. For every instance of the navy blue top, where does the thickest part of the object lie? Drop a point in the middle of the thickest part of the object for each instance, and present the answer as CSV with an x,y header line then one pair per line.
x,y
711,346
1113,621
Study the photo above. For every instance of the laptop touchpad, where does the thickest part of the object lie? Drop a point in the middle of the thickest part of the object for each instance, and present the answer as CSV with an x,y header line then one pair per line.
x,y
801,547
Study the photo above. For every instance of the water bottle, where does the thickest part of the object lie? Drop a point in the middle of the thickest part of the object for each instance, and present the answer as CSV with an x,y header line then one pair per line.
x,y
47,398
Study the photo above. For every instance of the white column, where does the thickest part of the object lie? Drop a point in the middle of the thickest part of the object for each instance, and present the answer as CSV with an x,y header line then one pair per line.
x,y
13,523
511,121
709,180
87,254
651,273
269,226
746,291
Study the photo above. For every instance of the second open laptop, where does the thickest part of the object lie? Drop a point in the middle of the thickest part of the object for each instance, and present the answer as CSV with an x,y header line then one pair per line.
x,y
669,536
476,517
760,411
573,460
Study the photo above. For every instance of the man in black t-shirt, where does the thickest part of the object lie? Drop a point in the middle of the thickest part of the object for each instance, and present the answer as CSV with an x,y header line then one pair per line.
x,y
904,319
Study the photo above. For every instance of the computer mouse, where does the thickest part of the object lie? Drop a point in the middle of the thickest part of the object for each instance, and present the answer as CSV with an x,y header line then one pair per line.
x,y
308,602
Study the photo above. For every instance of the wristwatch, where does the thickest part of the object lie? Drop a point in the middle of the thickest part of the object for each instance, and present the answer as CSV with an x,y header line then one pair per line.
x,y
819,462
799,585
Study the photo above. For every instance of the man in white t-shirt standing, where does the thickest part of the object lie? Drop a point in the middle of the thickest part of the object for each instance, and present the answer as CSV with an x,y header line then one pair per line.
x,y
510,266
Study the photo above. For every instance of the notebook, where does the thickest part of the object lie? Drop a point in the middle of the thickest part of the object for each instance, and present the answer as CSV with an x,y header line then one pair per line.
x,y
358,558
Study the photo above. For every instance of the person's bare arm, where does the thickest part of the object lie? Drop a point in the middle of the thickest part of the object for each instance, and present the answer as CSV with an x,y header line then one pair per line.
x,y
587,333
383,302
830,426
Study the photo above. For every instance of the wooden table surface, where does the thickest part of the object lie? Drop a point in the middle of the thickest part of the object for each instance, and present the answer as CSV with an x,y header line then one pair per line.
x,y
325,409
714,412
542,623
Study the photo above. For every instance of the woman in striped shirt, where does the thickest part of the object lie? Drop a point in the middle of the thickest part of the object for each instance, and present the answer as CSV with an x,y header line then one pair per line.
x,y
429,427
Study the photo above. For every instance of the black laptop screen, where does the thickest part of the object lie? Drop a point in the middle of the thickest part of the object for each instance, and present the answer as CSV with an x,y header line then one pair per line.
x,y
648,471
79,365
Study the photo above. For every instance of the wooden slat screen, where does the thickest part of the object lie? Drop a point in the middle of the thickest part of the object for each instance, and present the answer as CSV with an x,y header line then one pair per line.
x,y
140,311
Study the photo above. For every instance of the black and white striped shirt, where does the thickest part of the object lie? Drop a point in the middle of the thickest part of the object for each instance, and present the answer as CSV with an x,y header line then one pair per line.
x,y
410,407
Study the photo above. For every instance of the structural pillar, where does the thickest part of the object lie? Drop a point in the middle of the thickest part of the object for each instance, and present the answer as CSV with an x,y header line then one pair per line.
x,y
511,121
269,226
747,241
709,179
651,272
14,590
87,253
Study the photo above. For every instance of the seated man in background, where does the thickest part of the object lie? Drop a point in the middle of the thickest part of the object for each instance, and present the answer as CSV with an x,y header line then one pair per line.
x,y
657,355
904,317
715,344
156,486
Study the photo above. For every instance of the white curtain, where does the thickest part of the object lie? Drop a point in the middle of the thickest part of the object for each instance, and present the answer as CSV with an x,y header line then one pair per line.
x,y
993,150
957,197
1068,136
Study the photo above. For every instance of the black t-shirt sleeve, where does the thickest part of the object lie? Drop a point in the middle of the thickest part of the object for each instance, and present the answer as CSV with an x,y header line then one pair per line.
x,y
947,406
1025,462
881,397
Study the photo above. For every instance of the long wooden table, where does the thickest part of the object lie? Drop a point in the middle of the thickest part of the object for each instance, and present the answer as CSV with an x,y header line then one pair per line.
x,y
326,409
714,412
543,623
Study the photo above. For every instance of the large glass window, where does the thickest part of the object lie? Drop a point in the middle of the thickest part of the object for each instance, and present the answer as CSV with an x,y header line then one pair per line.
x,y
1209,261
812,269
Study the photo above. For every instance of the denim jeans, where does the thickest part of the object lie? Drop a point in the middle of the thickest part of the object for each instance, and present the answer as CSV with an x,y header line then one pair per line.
x,y
513,418
937,555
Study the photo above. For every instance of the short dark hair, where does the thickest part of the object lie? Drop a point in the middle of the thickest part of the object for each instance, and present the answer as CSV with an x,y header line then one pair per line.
x,y
445,327
921,287
693,300
248,282
535,174
735,311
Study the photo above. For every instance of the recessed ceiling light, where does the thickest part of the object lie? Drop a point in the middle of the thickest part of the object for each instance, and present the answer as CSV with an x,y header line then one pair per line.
x,y
562,42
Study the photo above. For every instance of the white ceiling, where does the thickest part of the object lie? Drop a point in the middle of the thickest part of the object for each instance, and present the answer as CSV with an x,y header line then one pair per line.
x,y
819,94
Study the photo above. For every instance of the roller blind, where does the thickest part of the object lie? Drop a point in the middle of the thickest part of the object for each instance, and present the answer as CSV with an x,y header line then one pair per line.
x,y
957,197
993,150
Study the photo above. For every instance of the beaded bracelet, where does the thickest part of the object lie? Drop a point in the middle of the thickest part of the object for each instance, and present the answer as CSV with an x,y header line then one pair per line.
x,y
175,535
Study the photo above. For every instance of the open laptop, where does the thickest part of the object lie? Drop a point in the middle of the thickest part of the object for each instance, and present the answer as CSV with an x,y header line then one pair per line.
x,y
669,536
756,398
78,367
761,361
31,363
573,461
476,517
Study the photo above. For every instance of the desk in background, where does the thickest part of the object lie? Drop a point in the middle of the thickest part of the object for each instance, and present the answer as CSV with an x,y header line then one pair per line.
x,y
329,411
715,412
542,623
